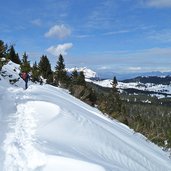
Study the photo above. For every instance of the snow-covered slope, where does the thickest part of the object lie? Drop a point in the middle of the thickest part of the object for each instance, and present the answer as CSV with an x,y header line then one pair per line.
x,y
10,73
158,88
44,128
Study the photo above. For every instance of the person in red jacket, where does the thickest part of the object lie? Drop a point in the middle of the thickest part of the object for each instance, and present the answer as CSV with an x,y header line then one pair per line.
x,y
25,77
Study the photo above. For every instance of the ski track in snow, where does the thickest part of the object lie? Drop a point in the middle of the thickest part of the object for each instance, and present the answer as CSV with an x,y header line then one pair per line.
x,y
20,155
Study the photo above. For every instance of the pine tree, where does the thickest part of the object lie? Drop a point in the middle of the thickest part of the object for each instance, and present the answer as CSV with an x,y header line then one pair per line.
x,y
114,82
74,77
25,64
35,73
17,59
81,79
3,52
45,69
14,57
0,64
61,77
3,49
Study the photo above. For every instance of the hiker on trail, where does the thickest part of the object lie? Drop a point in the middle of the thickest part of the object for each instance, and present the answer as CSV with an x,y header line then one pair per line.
x,y
25,77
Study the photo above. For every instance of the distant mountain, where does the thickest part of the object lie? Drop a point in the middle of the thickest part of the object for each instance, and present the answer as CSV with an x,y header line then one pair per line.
x,y
165,80
122,76
155,77
87,72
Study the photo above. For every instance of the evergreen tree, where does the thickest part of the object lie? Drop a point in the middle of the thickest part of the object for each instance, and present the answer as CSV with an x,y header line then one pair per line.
x,y
0,64
74,77
114,82
14,57
60,64
3,49
45,69
61,77
81,79
25,64
17,59
35,73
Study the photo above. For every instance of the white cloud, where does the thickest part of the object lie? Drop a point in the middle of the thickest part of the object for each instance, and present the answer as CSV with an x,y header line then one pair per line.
x,y
58,31
102,15
158,3
60,49
83,36
154,52
104,67
36,22
162,36
134,68
116,32
152,59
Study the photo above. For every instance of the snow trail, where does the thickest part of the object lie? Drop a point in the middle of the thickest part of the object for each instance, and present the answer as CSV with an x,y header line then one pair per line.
x,y
19,145
20,154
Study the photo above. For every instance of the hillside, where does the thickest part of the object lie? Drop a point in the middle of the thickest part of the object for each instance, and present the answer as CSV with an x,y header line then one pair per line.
x,y
165,80
87,72
45,128
159,90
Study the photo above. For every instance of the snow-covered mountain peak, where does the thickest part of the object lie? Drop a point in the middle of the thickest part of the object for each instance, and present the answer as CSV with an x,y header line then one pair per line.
x,y
87,72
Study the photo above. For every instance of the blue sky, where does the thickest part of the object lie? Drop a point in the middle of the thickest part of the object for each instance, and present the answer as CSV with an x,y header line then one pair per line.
x,y
117,35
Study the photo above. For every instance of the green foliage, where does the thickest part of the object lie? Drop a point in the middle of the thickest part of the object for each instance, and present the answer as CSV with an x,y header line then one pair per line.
x,y
78,78
114,82
81,79
35,77
0,65
85,93
45,69
74,77
60,75
14,57
150,119
3,49
3,52
50,78
111,104
60,63
25,64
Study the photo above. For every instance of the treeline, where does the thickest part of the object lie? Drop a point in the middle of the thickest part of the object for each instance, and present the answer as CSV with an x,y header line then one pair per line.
x,y
8,53
151,79
151,119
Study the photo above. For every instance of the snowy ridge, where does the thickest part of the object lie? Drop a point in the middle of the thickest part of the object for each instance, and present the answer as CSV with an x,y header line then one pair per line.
x,y
47,129
87,72
158,88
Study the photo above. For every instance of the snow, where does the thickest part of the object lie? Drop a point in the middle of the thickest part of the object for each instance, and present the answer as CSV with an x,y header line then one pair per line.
x,y
87,72
2,59
157,88
44,128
